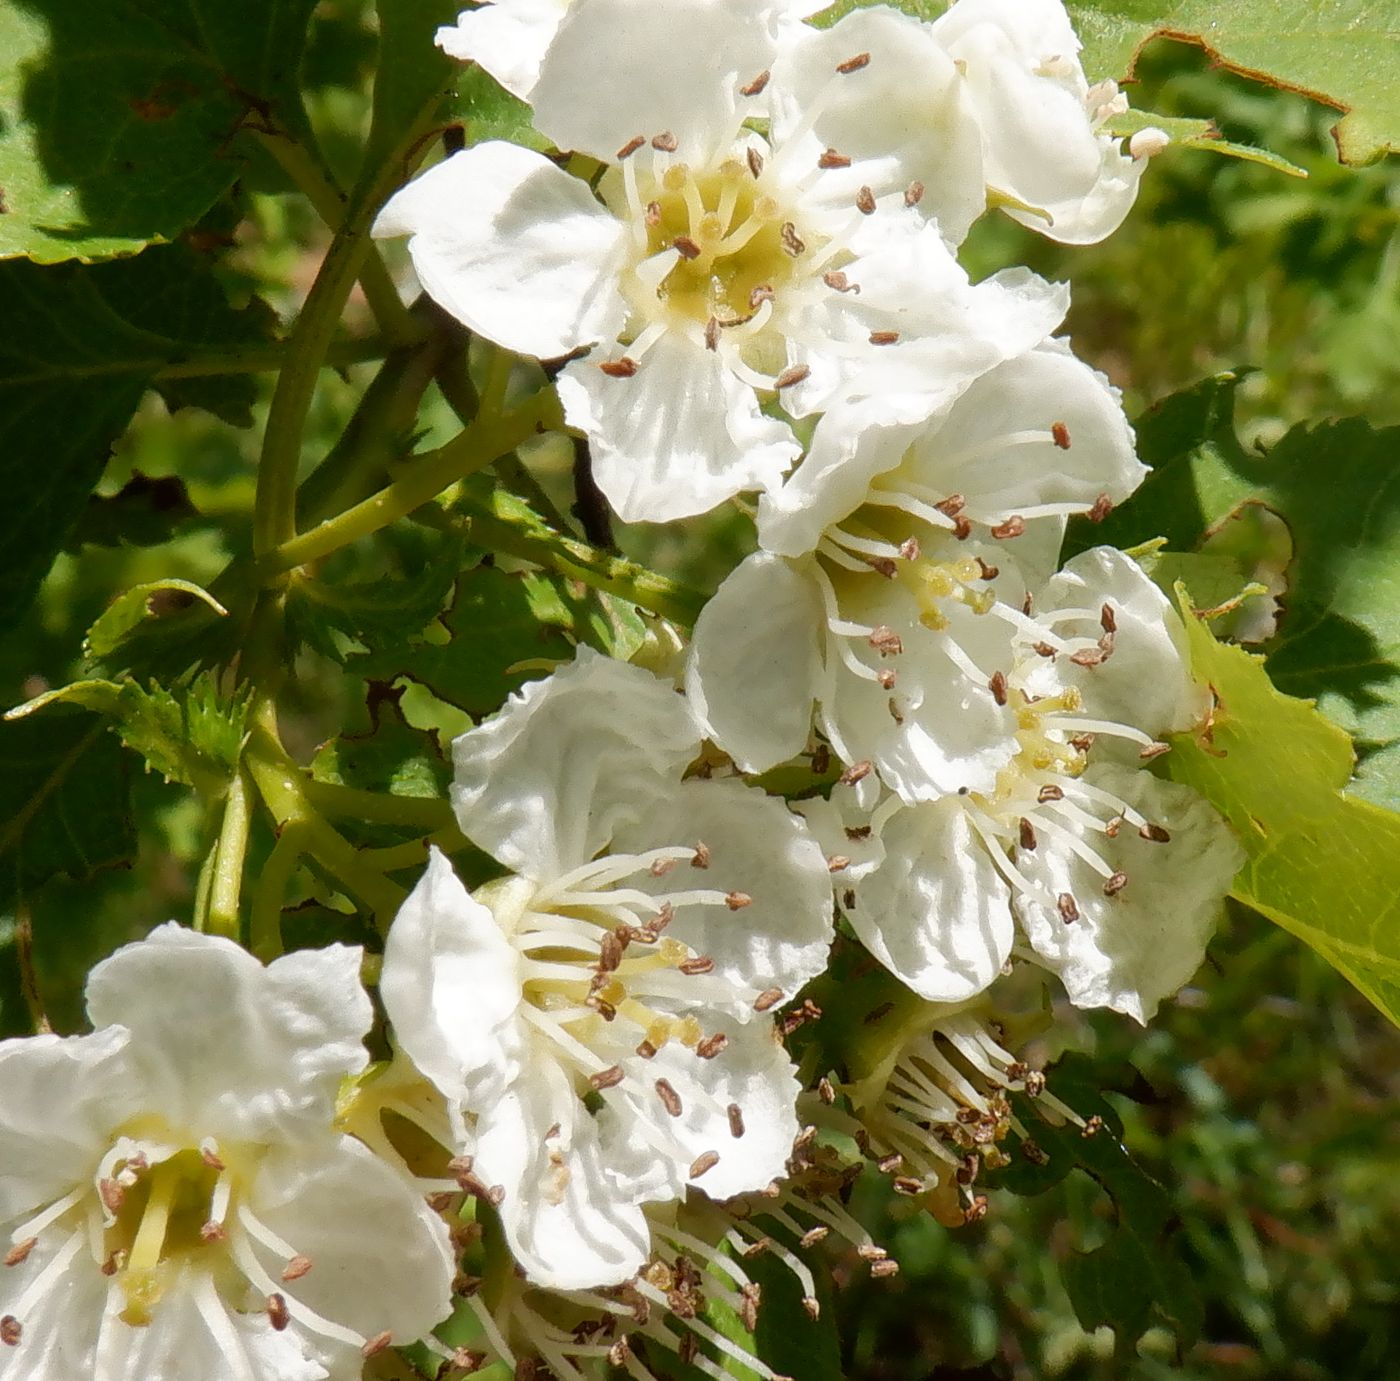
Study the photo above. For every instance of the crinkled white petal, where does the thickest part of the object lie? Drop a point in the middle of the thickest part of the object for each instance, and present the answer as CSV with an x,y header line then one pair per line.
x,y
936,912
60,1327
759,848
508,38
618,69
514,247
227,1046
543,785
1131,950
755,662
451,988
901,119
381,1259
1146,682
678,437
60,1096
569,1222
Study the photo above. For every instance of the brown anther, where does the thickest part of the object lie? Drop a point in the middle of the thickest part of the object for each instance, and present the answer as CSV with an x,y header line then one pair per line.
x,y
1108,620
1155,833
882,1270
1050,792
768,998
1059,432
865,202
610,949
647,1050
837,863
1043,649
604,1008
630,147
1088,657
882,565
670,1099
886,679
887,1165
891,705
1034,1083
997,686
838,282
962,529
113,1263
856,772
914,194
11,1331
701,963
377,1344
755,160
1154,750
112,1194
976,1210
812,1307
1035,1153
685,247
792,241
1092,1126
853,64
712,333
825,1091
666,142
988,572
952,505
751,1296
667,914
757,1248
878,1013
1081,743
652,214
755,87
1103,506
909,549
701,857
794,374
496,1195
278,1314
857,832
830,158
1027,834
884,337
623,368
759,294
908,1184
737,901
1014,526
1067,907
712,1045
296,1267
1115,884
870,1252
1111,829
20,1251
707,1160
620,1353
460,1165
606,1078
736,1120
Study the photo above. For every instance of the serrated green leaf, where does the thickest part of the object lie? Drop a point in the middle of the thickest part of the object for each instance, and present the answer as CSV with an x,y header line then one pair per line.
x,y
80,346
116,118
66,806
1323,865
1328,52
136,605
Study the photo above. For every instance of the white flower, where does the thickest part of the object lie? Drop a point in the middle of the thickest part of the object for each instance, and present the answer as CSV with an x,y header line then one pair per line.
x,y
1115,876
176,1198
598,1013
718,267
896,561
1041,119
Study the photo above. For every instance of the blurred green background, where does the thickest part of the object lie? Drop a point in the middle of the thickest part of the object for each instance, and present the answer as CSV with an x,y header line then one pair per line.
x,y
1265,1097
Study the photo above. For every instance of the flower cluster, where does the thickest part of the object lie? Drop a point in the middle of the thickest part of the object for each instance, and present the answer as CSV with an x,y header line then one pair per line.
x,y
742,271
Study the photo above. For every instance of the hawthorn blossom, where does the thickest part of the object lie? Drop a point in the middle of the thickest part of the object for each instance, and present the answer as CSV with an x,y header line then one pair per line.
x,y
893,568
177,1200
717,269
596,1019
1115,876
1049,163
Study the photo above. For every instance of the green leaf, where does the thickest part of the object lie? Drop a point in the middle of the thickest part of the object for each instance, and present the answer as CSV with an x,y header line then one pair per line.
x,y
80,346
136,605
791,1342
66,806
1187,133
488,111
116,118
392,757
1328,52
1323,865
411,70
1135,1278
144,512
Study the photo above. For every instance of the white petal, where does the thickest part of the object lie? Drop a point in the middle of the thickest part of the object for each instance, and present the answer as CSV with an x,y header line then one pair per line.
x,y
680,436
381,1259
508,38
902,118
514,247
60,1098
60,1327
228,1047
935,912
1130,951
569,1221
666,66
753,1073
451,988
543,785
755,662
761,849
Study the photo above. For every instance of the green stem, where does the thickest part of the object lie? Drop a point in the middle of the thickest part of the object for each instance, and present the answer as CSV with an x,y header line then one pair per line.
x,y
270,891
414,812
414,853
427,477
226,885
